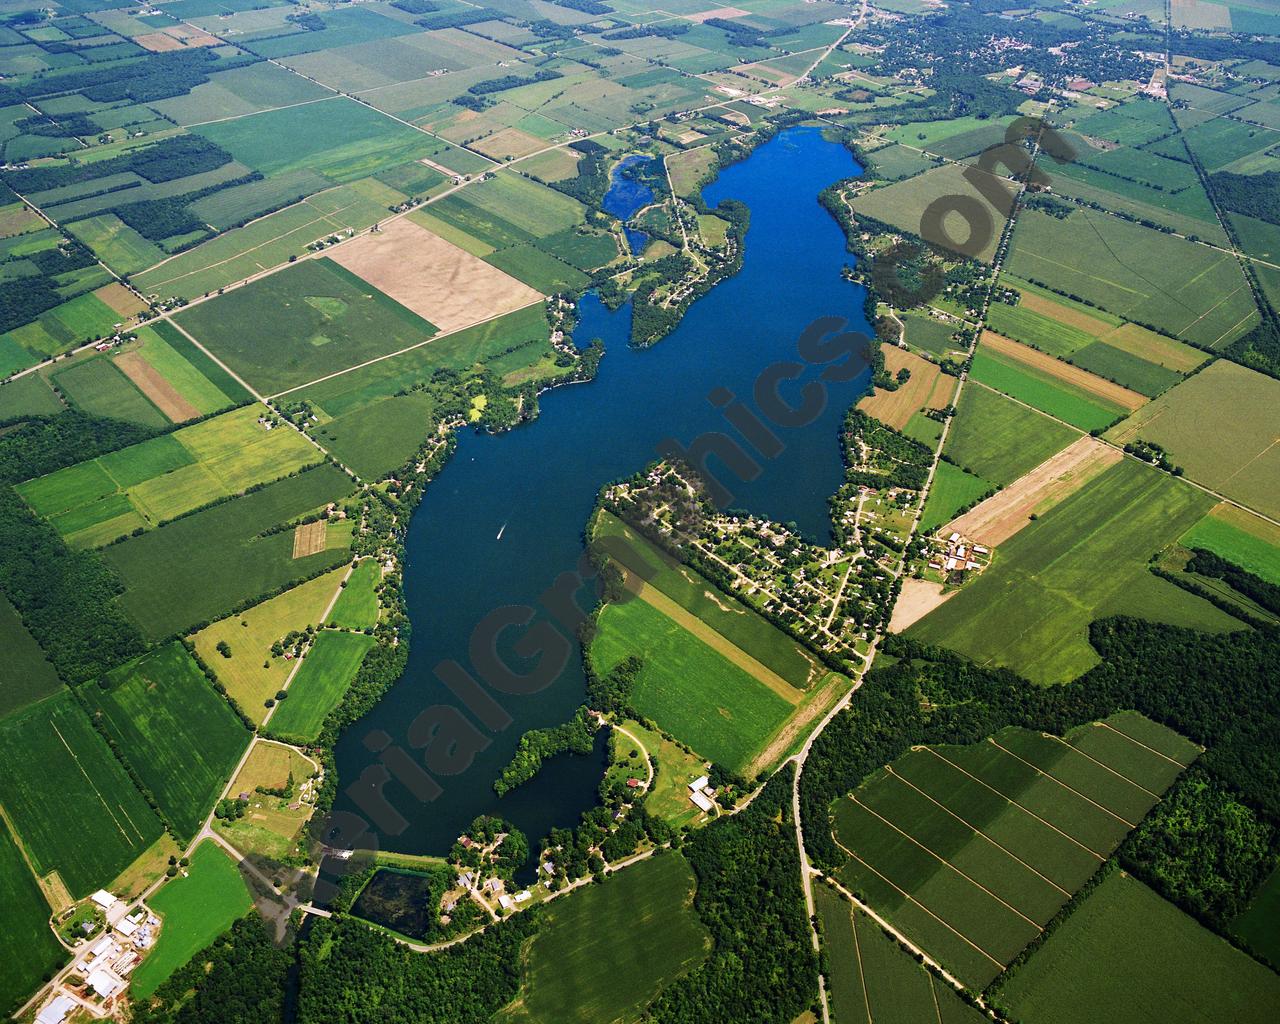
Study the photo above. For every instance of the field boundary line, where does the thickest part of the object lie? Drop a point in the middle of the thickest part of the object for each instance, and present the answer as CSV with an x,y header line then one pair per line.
x,y
400,352
862,973
267,110
1053,778
976,831
933,991
1135,740
1104,767
960,935
946,863
103,800
198,344
1026,810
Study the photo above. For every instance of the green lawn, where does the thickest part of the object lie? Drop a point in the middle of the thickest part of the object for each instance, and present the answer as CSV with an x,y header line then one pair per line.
x,y
50,757
357,606
690,690
316,318
952,490
195,910
1039,390
326,672
1127,954
1082,560
178,733
999,439
607,950
26,943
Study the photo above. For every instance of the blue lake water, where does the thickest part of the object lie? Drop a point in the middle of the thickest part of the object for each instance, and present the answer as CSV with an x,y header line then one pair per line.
x,y
506,515
626,198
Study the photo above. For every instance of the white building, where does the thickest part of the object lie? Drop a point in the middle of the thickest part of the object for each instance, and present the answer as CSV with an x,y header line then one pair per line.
x,y
55,1011
104,899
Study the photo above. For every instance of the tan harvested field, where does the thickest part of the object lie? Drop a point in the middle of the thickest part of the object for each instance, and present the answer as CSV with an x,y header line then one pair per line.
x,y
1064,314
731,652
1155,348
508,142
918,599
156,388
1137,341
553,165
717,12
1082,379
688,167
309,539
440,282
18,219
120,299
1006,512
798,725
176,38
1248,522
896,407
269,764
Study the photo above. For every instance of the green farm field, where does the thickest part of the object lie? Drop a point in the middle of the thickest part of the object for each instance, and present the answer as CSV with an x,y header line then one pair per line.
x,y
1189,290
357,606
1127,954
52,747
27,945
733,620
379,438
203,394
1220,426
336,137
872,980
1037,389
1039,331
320,317
268,241
225,548
119,246
159,479
952,490
690,690
605,951
988,841
1000,440
1239,537
251,633
327,670
517,339
903,203
195,910
25,673
95,386
1084,559
174,729
27,396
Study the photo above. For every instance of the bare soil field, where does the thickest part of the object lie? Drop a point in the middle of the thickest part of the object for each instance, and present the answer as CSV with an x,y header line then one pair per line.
x,y
1006,512
120,299
1083,379
176,38
437,280
717,12
309,539
918,599
896,407
156,388
508,142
